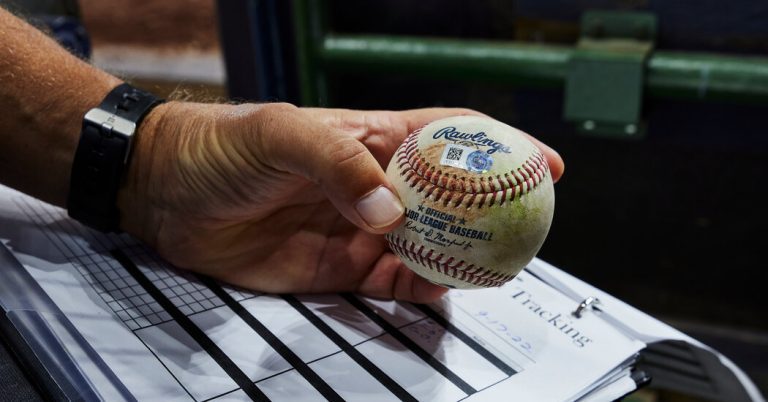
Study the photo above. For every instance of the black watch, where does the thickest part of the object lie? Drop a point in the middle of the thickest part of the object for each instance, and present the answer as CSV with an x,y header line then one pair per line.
x,y
102,156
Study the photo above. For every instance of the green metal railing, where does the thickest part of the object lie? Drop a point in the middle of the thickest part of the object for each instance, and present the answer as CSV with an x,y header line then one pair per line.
x,y
669,74
686,75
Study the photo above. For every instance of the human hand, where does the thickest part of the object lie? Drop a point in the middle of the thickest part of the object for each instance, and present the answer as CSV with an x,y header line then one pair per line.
x,y
276,198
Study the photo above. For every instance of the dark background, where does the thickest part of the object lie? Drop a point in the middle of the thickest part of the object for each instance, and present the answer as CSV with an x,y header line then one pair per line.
x,y
674,224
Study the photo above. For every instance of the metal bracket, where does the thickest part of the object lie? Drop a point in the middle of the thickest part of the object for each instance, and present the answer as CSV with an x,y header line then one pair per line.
x,y
606,72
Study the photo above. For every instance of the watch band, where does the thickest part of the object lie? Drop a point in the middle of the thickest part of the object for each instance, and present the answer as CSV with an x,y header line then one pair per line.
x,y
102,156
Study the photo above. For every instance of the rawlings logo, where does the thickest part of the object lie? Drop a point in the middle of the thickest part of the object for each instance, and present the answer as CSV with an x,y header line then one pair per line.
x,y
450,133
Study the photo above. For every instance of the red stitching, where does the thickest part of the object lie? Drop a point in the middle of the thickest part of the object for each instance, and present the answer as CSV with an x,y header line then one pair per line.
x,y
450,188
473,274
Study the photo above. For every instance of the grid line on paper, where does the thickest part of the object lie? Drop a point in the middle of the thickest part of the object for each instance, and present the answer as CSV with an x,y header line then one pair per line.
x,y
411,345
274,341
486,387
88,252
238,293
455,331
172,374
198,335
119,291
185,291
376,372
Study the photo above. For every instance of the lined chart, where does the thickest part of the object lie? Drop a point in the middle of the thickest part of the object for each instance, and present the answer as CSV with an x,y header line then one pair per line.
x,y
220,342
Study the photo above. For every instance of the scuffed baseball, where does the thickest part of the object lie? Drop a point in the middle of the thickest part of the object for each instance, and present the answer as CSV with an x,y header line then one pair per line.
x,y
479,201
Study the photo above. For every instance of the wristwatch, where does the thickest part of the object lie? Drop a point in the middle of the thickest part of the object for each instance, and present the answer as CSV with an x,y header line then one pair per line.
x,y
102,156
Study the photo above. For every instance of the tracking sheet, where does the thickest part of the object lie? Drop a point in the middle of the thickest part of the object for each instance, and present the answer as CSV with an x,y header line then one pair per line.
x,y
172,335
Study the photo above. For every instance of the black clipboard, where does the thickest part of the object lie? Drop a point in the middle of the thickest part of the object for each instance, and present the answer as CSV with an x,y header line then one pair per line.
x,y
44,341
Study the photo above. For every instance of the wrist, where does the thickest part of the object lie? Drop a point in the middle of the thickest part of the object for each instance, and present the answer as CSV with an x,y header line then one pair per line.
x,y
134,198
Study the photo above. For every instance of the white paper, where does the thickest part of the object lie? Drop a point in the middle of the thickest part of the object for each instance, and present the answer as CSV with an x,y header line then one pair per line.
x,y
519,341
630,320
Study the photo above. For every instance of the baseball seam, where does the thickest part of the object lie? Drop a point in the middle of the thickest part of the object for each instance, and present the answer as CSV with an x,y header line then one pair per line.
x,y
451,189
457,269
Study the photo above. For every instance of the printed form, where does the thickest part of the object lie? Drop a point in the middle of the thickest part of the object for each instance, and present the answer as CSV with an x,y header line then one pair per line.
x,y
172,335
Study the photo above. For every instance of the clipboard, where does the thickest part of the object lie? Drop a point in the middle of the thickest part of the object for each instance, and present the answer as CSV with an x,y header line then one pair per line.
x,y
671,359
69,368
45,341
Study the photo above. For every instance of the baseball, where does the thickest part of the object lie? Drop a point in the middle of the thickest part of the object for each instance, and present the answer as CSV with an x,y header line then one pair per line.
x,y
478,199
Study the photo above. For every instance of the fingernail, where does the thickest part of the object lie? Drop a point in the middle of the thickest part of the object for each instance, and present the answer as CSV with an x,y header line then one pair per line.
x,y
380,208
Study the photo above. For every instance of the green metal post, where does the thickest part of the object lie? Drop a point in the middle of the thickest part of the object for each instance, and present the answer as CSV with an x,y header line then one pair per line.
x,y
309,28
697,76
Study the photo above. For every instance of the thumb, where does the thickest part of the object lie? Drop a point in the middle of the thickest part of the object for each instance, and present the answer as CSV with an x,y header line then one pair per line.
x,y
344,168
356,184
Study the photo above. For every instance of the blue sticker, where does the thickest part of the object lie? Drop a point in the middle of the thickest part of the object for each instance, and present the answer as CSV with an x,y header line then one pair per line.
x,y
479,162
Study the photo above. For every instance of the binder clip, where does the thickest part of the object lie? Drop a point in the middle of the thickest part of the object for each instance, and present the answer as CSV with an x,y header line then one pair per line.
x,y
589,302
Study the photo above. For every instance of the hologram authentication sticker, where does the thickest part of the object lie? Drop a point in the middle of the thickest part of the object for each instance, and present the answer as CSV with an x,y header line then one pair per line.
x,y
469,159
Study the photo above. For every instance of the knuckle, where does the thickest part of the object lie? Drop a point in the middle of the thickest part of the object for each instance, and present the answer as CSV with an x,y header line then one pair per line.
x,y
347,153
466,112
267,114
267,124
278,108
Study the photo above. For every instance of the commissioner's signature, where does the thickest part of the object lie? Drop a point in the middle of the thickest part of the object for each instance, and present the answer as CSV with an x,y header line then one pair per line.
x,y
434,236
449,242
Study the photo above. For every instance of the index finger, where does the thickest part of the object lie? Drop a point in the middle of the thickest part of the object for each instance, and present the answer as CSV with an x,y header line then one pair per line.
x,y
383,131
418,118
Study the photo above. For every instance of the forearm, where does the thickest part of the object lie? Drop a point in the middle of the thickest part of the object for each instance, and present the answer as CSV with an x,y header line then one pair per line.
x,y
44,94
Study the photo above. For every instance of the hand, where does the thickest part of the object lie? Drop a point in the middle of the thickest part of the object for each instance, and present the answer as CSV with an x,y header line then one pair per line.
x,y
276,198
